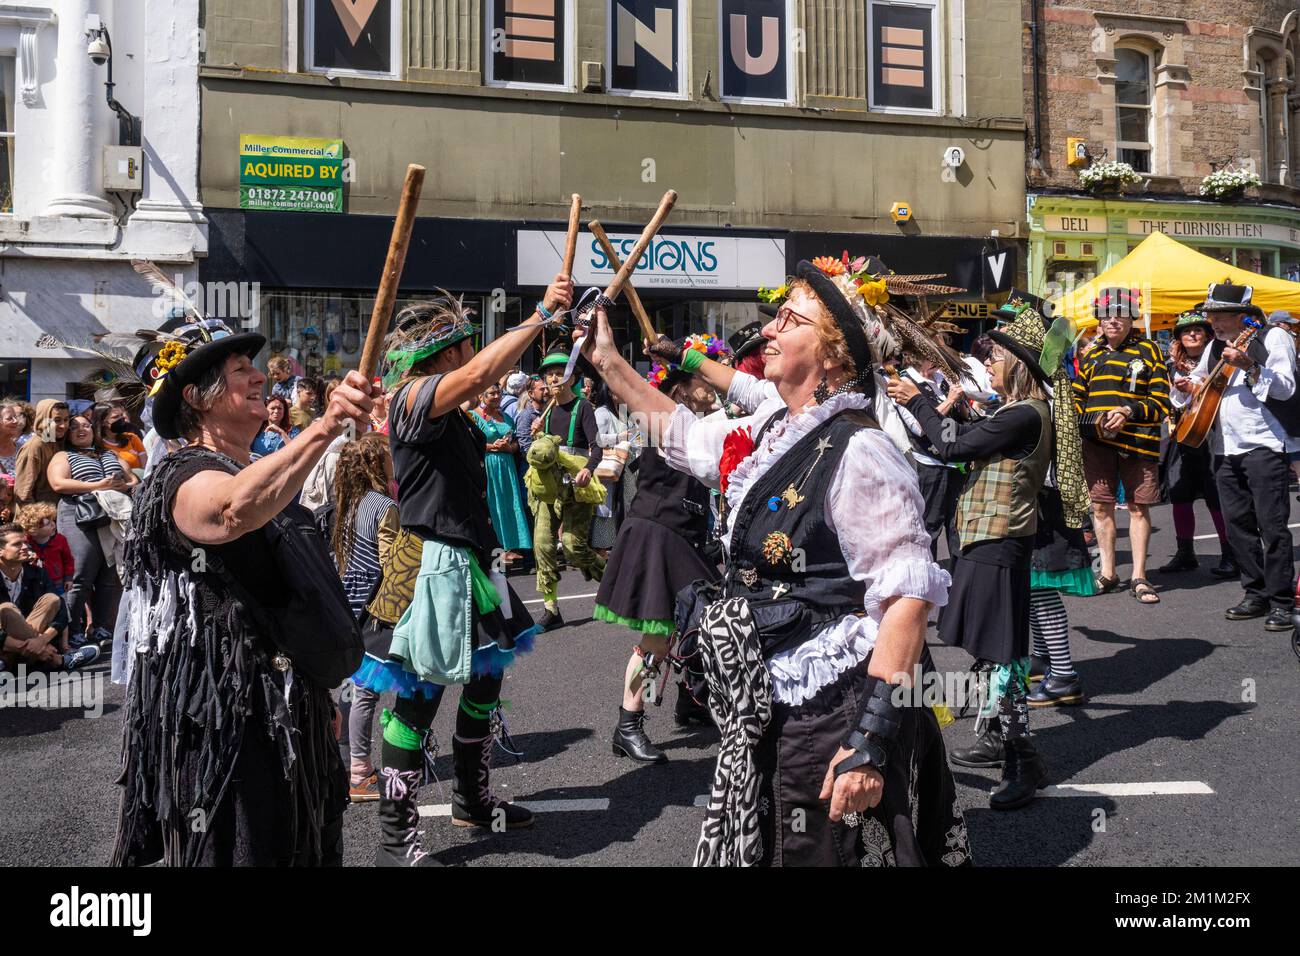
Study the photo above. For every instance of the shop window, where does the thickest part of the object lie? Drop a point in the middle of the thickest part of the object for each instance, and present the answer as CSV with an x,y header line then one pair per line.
x,y
1290,266
1134,83
904,51
352,36
15,378
647,47
529,43
7,134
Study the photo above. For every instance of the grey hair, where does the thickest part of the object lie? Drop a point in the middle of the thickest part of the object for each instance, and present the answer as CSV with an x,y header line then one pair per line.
x,y
207,392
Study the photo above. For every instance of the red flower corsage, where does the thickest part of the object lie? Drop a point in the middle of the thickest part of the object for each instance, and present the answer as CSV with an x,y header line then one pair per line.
x,y
736,447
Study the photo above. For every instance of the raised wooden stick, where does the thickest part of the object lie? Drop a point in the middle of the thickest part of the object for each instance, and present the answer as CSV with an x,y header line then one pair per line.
x,y
571,241
625,271
633,300
392,277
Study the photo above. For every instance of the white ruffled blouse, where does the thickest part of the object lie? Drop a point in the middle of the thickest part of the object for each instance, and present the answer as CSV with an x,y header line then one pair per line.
x,y
874,505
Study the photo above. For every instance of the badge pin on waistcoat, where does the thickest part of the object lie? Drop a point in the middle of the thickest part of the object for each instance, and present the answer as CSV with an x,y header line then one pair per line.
x,y
1134,369
791,495
778,549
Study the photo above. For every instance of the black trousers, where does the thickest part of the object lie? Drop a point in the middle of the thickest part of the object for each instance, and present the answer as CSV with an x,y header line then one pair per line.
x,y
1253,492
940,488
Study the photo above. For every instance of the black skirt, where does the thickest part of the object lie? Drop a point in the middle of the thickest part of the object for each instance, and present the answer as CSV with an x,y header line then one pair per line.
x,y
1057,546
988,611
646,569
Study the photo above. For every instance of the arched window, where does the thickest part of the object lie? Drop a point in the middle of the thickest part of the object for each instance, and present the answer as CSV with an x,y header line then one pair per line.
x,y
1134,85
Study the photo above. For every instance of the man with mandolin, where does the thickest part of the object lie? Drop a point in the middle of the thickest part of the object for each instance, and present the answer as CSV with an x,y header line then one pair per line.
x,y
1245,400
1122,396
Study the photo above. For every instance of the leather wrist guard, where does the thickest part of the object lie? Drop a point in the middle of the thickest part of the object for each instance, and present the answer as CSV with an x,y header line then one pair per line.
x,y
878,726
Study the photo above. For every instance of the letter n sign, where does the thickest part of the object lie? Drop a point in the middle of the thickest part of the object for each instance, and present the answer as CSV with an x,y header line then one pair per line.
x,y
644,40
755,49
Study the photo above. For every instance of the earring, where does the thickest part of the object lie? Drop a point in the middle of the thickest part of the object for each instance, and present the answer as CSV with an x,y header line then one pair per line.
x,y
821,393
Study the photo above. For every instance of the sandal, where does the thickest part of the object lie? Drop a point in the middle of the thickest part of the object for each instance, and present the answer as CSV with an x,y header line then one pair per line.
x,y
1107,584
1144,592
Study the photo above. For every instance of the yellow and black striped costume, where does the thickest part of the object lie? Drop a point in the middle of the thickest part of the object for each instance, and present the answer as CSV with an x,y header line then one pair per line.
x,y
1132,375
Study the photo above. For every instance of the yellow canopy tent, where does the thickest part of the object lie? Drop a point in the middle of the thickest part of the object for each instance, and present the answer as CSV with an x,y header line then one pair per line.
x,y
1172,278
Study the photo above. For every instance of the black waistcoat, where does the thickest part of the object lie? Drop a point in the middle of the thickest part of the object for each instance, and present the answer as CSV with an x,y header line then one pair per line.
x,y
671,498
815,575
442,486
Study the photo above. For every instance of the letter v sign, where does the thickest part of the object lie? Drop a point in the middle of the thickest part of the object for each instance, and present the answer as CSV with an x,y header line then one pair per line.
x,y
999,270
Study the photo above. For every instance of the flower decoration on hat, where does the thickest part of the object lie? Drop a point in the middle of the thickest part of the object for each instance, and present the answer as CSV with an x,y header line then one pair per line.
x,y
657,374
708,343
172,354
830,265
774,296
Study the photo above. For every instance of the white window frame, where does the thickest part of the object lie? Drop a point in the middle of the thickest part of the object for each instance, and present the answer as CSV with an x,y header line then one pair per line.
x,y
570,52
940,35
309,45
792,75
683,58
9,80
1150,144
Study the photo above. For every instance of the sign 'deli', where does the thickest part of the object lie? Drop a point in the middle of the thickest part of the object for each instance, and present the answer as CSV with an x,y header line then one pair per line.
x,y
294,173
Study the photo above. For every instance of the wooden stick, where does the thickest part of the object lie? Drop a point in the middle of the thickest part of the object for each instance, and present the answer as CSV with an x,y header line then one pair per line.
x,y
633,300
625,272
571,242
392,276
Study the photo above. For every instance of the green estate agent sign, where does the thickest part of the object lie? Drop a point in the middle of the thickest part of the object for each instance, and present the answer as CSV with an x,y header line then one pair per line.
x,y
293,173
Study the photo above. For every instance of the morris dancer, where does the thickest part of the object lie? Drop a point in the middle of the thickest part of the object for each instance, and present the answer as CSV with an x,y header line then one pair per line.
x,y
828,585
443,607
229,756
658,552
572,419
997,519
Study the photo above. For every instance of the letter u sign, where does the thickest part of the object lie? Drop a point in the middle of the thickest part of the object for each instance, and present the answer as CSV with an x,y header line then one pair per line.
x,y
755,49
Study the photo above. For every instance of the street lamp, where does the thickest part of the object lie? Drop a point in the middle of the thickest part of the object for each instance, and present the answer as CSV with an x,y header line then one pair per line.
x,y
100,51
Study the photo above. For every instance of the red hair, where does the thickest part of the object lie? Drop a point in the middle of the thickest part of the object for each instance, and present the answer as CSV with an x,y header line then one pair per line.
x,y
752,364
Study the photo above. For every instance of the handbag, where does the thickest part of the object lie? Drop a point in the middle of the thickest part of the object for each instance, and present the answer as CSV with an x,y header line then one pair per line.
x,y
89,514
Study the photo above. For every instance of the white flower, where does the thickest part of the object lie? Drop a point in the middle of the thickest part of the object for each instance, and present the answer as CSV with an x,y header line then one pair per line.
x,y
1225,181
1109,173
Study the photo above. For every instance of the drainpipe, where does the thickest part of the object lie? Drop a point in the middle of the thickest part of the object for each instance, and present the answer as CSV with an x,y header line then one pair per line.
x,y
1034,26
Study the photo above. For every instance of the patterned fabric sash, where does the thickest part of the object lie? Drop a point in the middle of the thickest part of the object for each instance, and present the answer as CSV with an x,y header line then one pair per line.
x,y
740,697
397,586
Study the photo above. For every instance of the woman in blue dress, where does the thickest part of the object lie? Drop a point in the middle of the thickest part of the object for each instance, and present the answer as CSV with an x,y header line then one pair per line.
x,y
504,499
277,431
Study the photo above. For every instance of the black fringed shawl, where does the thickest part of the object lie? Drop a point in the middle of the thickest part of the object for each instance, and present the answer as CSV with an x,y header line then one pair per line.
x,y
219,765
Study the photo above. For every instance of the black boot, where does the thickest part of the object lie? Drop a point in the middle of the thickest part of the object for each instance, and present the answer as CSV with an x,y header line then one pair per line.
x,y
1184,558
472,802
551,618
688,712
1227,566
399,818
1022,775
986,753
630,738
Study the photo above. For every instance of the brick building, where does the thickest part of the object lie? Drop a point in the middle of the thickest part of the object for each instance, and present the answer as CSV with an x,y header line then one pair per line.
x,y
1177,91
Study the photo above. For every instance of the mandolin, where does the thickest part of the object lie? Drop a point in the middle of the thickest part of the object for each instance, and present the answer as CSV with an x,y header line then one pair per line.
x,y
1199,417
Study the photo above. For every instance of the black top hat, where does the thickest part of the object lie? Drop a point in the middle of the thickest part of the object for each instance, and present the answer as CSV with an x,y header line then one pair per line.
x,y
749,337
1229,297
850,325
190,347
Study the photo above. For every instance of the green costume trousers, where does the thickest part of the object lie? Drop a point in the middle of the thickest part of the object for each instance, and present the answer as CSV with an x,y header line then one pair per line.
x,y
575,519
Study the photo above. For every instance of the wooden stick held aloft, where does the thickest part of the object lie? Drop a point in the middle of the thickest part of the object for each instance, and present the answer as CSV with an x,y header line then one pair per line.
x,y
392,277
652,227
571,241
633,300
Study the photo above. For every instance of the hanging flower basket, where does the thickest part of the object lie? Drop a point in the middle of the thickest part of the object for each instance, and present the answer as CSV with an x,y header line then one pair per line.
x,y
1228,185
1108,179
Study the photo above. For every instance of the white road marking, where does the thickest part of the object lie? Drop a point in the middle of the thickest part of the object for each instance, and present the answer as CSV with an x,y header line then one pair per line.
x,y
1207,537
1157,788
564,597
537,806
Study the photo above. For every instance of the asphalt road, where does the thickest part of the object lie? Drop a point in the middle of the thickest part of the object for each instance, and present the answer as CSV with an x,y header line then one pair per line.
x,y
1179,700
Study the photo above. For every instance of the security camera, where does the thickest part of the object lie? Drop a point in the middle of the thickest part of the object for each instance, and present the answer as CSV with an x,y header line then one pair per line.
x,y
97,50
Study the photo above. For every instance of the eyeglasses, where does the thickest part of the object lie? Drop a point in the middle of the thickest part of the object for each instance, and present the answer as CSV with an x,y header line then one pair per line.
x,y
786,316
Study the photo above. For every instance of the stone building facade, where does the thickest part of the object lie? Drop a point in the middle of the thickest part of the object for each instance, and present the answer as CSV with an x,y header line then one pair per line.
x,y
1179,91
789,128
